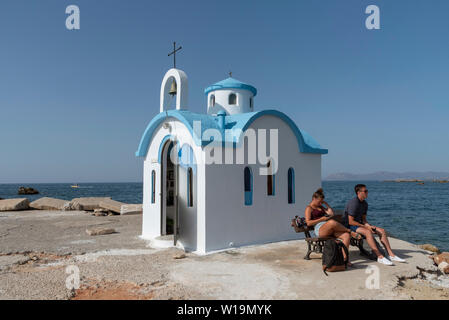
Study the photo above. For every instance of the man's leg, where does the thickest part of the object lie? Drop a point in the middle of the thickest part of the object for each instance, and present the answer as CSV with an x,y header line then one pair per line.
x,y
384,239
370,239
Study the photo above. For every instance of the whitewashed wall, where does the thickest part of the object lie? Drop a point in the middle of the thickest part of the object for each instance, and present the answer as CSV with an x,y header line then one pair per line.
x,y
221,101
228,220
190,237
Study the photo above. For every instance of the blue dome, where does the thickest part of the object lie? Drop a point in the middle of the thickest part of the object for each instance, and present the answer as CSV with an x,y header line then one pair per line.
x,y
230,83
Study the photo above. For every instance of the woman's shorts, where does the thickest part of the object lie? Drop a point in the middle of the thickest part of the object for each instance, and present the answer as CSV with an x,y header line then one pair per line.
x,y
353,228
317,228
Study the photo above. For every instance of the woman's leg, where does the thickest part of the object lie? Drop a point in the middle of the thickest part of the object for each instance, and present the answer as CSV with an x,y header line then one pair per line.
x,y
330,227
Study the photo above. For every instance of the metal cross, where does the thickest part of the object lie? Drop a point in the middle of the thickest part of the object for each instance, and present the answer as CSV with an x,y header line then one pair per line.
x,y
174,53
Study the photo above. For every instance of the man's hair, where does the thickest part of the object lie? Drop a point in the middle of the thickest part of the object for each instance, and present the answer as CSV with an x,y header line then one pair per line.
x,y
359,187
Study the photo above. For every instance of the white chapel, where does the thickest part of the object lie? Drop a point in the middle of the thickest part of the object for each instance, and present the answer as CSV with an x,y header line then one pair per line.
x,y
229,177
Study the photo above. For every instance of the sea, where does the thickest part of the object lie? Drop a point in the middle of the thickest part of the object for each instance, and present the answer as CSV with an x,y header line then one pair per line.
x,y
417,213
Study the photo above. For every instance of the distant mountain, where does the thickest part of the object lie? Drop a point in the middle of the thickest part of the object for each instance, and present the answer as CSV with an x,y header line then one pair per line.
x,y
387,175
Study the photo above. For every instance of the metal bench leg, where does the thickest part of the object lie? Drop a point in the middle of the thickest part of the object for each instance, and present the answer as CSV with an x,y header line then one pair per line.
x,y
363,252
309,251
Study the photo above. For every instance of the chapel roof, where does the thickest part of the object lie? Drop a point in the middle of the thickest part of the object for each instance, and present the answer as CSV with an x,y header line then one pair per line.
x,y
241,121
230,83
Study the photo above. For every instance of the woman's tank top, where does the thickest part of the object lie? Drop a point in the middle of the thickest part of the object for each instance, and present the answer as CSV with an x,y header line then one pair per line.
x,y
316,214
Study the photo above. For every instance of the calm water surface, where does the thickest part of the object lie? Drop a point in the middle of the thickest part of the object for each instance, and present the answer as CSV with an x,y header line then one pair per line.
x,y
412,212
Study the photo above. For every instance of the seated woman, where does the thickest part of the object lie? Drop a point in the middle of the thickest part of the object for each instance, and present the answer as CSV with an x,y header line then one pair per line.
x,y
320,217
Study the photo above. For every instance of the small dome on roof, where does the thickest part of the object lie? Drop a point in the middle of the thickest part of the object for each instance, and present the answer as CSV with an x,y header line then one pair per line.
x,y
230,83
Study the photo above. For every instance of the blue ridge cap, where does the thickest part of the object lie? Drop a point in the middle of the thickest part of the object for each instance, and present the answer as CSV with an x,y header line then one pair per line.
x,y
230,83
306,143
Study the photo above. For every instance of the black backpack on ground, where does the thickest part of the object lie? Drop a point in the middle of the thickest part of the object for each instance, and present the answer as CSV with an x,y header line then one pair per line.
x,y
333,259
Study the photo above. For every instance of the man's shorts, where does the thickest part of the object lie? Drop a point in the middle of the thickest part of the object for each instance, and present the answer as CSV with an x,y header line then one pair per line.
x,y
353,228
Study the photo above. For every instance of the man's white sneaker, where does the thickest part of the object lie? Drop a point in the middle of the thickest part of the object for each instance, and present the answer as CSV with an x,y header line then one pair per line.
x,y
396,258
385,261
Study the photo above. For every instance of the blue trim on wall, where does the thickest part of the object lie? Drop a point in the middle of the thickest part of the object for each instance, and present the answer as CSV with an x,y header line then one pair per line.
x,y
161,147
189,186
291,185
248,194
153,186
306,143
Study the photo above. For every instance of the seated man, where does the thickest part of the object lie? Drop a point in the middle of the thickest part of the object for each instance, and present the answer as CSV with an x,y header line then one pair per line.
x,y
355,219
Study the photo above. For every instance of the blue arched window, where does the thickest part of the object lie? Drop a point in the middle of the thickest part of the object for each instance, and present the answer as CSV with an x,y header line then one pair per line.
x,y
153,186
187,162
189,187
232,98
270,179
248,186
291,185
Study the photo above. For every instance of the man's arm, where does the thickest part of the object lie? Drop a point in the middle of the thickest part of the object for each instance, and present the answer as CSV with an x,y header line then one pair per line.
x,y
352,222
364,220
351,209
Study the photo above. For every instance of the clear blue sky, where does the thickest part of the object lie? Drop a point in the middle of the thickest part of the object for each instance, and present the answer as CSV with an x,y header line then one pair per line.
x,y
74,104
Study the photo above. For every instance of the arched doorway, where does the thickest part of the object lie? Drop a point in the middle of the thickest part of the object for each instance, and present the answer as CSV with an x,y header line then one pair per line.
x,y
179,194
169,191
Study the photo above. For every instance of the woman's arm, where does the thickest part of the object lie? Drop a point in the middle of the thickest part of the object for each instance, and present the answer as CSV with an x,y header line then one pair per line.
x,y
308,216
329,209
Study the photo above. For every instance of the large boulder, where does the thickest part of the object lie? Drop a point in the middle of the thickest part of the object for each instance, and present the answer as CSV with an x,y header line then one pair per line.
x,y
88,203
131,209
442,257
100,212
442,261
97,231
111,205
47,203
14,204
23,190
429,247
444,267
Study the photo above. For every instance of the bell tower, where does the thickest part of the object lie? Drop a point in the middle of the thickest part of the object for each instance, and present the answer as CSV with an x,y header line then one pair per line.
x,y
174,84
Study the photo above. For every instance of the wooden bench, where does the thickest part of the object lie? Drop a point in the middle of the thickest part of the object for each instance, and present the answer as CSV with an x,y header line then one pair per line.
x,y
315,244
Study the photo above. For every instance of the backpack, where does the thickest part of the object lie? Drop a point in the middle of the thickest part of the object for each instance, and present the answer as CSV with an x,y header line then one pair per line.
x,y
299,222
333,260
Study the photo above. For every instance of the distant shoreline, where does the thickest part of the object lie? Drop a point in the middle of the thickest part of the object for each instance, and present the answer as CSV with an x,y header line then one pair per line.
x,y
393,180
388,176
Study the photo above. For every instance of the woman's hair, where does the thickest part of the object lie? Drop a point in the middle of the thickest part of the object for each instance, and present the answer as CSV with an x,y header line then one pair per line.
x,y
319,194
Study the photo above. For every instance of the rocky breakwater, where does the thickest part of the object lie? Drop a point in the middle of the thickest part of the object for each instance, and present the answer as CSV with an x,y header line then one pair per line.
x,y
100,206
14,204
27,190
47,203
85,203
442,261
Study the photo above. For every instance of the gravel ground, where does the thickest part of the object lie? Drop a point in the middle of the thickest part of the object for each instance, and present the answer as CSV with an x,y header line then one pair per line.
x,y
40,250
